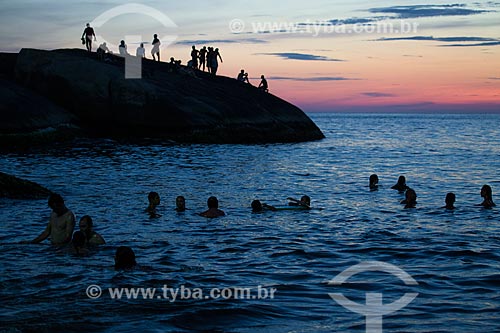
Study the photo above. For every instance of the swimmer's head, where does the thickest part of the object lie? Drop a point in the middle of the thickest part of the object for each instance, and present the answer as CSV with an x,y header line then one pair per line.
x,y
450,199
411,195
56,202
212,202
256,206
402,180
486,192
306,199
124,258
373,180
86,223
154,198
180,203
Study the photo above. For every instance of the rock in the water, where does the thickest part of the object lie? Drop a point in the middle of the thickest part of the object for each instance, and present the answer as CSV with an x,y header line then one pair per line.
x,y
16,188
178,106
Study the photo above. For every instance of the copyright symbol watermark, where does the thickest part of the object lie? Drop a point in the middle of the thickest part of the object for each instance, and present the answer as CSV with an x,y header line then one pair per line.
x,y
236,26
94,291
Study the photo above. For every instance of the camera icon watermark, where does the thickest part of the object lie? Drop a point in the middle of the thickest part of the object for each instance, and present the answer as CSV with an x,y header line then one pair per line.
x,y
133,65
374,309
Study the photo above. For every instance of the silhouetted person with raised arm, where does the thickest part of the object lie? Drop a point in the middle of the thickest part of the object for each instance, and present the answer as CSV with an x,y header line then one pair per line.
x,y
88,33
263,84
213,209
141,51
304,202
410,200
215,61
203,57
401,184
125,258
450,201
487,195
194,57
373,182
155,51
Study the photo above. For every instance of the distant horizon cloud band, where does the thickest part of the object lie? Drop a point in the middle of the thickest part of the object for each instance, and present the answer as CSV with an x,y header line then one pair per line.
x,y
324,56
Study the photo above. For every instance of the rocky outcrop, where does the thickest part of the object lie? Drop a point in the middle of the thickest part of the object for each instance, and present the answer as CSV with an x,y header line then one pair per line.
x,y
78,90
16,188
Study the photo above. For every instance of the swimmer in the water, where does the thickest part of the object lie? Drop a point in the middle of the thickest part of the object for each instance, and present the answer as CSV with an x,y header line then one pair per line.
x,y
61,224
213,209
304,202
154,201
258,207
450,201
410,200
373,182
401,185
180,204
487,195
125,258
87,227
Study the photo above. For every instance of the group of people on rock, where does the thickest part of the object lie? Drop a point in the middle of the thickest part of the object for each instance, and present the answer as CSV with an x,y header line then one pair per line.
x,y
205,56
410,200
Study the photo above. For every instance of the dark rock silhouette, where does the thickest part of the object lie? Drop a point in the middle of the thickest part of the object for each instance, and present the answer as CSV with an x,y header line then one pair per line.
x,y
75,90
16,188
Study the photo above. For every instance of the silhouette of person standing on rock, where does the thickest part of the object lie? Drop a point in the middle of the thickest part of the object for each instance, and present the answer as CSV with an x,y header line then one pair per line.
x,y
87,35
156,47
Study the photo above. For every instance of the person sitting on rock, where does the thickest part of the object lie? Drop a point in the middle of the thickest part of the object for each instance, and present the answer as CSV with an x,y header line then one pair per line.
x,y
213,209
141,51
263,84
123,49
101,51
243,77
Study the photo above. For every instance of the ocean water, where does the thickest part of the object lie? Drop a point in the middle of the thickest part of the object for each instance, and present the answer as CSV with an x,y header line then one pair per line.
x,y
453,256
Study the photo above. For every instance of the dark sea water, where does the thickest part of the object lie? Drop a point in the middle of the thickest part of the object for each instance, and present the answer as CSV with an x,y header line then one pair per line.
x,y
454,256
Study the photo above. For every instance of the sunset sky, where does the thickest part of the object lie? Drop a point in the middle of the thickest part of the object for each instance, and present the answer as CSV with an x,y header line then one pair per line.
x,y
321,55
